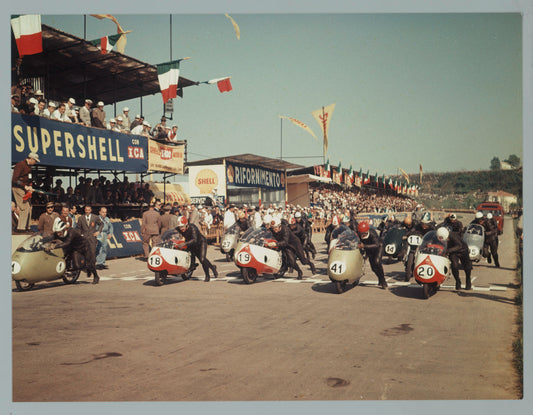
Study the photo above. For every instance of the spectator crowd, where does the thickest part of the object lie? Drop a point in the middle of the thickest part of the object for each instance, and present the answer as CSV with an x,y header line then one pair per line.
x,y
25,101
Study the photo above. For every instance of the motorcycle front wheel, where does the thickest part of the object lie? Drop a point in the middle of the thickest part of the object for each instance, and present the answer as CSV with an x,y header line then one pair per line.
x,y
71,276
428,289
340,286
23,285
249,275
160,277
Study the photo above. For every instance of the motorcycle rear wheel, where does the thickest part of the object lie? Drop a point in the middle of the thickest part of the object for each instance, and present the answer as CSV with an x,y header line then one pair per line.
x,y
71,276
23,285
160,277
249,275
428,289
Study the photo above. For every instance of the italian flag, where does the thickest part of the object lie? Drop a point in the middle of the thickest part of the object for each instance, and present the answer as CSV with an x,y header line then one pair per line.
x,y
106,43
328,169
28,33
168,75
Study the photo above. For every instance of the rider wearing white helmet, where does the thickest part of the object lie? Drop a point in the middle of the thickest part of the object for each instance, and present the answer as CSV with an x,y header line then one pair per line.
x,y
491,240
457,250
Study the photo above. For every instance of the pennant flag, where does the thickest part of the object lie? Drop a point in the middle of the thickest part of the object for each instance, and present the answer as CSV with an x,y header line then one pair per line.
x,y
106,43
299,124
323,117
224,84
391,185
339,168
121,42
168,75
28,33
235,26
405,175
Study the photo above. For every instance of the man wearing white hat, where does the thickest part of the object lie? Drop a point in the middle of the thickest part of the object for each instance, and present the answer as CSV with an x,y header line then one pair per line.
x,y
47,113
20,185
126,122
85,113
98,116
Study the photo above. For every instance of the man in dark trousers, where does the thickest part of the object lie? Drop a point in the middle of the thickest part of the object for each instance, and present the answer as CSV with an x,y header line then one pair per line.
x,y
457,250
72,240
491,239
372,245
289,243
197,245
90,226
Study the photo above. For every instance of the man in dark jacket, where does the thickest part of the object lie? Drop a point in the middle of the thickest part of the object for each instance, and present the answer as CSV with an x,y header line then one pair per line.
x,y
20,185
291,247
372,245
197,245
72,240
491,239
306,225
457,250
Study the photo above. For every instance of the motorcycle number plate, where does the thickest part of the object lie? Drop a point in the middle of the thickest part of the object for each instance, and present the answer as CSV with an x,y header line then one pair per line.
x,y
155,260
425,271
60,267
337,267
414,240
244,257
390,249
15,267
226,244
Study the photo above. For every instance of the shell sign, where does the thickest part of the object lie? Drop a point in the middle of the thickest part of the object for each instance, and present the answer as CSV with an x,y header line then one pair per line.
x,y
206,180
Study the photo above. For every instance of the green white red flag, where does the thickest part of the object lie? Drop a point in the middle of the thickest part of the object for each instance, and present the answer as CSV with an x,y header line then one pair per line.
x,y
106,43
168,75
28,33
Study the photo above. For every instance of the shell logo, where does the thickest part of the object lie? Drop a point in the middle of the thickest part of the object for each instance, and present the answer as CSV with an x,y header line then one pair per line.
x,y
206,180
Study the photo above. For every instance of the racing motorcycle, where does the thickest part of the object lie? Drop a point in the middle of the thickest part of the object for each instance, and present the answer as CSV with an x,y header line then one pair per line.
x,y
30,263
169,257
413,242
474,237
253,257
229,241
432,266
393,240
345,261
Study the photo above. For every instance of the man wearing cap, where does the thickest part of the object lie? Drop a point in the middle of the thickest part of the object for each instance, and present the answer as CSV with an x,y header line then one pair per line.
x,y
150,228
165,218
47,113
20,184
60,113
71,111
161,125
46,220
126,122
137,121
120,125
41,106
85,113
98,116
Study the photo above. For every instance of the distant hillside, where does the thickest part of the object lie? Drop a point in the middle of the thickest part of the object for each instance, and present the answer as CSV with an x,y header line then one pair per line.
x,y
466,189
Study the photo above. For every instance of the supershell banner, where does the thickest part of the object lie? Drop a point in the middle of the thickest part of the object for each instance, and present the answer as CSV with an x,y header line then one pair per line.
x,y
63,144
166,158
254,176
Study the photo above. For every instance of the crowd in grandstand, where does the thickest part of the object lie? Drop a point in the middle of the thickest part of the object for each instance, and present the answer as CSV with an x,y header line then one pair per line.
x,y
25,100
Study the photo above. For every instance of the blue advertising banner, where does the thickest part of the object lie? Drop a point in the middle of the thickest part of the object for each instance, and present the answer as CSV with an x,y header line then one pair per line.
x,y
254,176
126,240
63,144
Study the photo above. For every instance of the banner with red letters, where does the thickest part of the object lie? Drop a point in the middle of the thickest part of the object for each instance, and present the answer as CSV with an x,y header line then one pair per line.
x,y
165,158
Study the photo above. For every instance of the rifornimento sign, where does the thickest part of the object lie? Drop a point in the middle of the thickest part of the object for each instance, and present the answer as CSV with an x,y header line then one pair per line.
x,y
254,176
64,144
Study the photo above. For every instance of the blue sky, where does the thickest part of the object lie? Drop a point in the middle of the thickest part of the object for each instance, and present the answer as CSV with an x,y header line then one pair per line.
x,y
441,90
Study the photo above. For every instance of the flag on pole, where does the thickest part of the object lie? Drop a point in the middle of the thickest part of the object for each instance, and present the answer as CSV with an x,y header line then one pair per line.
x,y
391,185
235,26
339,168
121,42
224,84
328,169
350,174
168,75
299,124
366,179
106,43
28,33
405,175
323,117
420,174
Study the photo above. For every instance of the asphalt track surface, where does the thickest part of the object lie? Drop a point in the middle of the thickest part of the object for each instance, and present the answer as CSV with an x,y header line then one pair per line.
x,y
127,339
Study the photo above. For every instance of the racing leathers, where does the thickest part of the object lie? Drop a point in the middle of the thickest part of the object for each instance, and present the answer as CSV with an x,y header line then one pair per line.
x,y
71,241
196,244
306,225
292,248
372,246
457,250
491,241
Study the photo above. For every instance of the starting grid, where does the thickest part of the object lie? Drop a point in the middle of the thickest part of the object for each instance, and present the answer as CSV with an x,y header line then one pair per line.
x,y
144,276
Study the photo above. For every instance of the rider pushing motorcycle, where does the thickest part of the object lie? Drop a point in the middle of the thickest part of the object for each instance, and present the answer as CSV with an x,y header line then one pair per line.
x,y
372,245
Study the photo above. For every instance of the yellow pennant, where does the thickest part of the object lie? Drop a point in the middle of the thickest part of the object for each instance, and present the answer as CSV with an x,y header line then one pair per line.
x,y
405,175
299,124
235,26
323,117
121,42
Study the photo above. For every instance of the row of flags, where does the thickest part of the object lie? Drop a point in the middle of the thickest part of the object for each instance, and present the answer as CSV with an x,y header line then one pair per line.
x,y
28,37
360,179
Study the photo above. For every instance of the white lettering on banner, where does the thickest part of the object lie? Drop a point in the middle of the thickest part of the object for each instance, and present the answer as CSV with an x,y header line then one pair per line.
x,y
63,144
132,236
257,177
